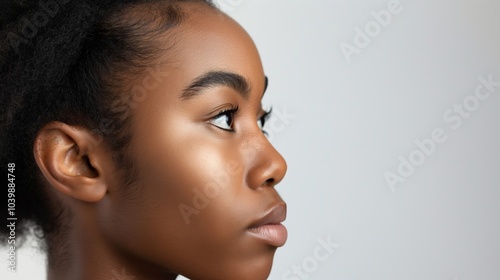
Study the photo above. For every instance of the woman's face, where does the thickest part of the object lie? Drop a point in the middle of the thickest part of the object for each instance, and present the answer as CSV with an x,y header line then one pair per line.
x,y
206,178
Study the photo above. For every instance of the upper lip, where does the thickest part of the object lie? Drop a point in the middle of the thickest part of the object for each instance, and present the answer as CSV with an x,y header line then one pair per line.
x,y
275,215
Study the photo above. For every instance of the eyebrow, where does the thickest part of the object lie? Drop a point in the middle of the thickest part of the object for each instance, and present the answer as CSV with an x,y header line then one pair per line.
x,y
218,78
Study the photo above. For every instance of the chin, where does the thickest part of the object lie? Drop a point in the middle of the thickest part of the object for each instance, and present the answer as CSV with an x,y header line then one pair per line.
x,y
258,269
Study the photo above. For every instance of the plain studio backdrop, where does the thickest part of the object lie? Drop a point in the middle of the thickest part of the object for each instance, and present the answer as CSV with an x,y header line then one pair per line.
x,y
388,115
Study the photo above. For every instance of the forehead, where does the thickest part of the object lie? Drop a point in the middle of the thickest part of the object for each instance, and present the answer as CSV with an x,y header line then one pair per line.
x,y
209,40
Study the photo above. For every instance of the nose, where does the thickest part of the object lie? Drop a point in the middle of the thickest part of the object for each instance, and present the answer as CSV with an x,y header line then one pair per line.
x,y
266,166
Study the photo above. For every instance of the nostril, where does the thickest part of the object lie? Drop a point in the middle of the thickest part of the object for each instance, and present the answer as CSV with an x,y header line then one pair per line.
x,y
269,182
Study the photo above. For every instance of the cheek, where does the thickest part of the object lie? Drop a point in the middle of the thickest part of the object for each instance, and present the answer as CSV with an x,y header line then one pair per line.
x,y
198,185
187,207
191,191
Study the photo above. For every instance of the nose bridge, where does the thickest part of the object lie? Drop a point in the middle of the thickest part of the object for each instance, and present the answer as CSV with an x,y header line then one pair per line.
x,y
266,166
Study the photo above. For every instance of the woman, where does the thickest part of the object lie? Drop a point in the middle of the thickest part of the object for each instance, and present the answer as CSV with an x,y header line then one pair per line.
x,y
135,129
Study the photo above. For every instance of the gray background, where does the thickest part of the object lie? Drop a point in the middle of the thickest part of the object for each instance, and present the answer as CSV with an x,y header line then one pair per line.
x,y
344,124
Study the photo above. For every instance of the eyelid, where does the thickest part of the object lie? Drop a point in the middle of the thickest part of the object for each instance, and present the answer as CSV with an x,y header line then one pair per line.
x,y
231,111
221,109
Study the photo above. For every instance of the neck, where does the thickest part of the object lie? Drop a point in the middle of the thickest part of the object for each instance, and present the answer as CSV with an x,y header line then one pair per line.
x,y
85,254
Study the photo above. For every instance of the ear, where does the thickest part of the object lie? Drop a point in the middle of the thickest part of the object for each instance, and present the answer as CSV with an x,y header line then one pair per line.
x,y
74,161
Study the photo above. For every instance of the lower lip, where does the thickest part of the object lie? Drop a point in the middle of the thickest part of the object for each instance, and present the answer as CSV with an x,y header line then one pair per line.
x,y
274,234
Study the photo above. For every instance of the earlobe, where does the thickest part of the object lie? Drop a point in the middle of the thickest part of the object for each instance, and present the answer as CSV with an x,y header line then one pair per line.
x,y
72,161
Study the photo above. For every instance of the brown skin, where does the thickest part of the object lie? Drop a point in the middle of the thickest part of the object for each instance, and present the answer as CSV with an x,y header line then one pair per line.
x,y
178,151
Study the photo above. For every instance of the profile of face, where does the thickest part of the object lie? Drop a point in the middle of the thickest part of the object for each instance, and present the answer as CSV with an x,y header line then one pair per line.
x,y
203,203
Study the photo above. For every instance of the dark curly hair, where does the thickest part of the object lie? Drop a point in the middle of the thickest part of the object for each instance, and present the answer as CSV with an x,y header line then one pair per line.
x,y
68,60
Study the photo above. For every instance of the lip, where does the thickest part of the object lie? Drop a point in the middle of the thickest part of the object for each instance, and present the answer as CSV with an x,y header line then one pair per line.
x,y
269,227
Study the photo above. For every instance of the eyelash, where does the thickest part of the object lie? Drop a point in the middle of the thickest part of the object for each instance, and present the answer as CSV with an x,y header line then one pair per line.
x,y
264,118
232,112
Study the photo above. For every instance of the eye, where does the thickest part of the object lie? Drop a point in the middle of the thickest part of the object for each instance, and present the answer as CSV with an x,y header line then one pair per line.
x,y
262,120
224,120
